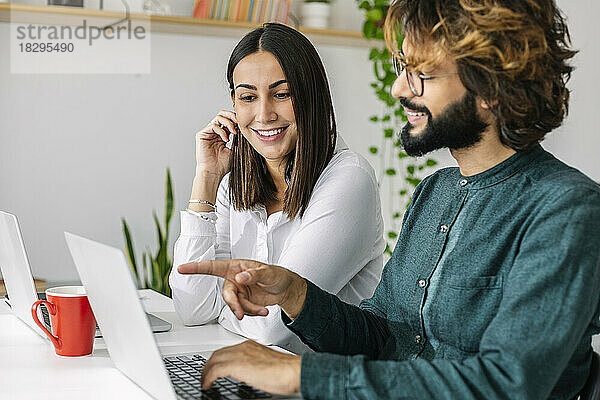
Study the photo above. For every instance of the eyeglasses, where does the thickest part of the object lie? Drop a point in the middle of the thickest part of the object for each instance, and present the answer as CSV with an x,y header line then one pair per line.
x,y
415,79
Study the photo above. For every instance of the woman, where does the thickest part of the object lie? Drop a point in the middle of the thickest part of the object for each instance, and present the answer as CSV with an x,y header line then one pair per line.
x,y
283,194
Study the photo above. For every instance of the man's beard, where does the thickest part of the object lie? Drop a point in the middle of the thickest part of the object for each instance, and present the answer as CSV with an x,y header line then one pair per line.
x,y
458,127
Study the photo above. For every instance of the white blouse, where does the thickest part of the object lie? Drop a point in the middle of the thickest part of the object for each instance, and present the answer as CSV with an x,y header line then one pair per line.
x,y
338,244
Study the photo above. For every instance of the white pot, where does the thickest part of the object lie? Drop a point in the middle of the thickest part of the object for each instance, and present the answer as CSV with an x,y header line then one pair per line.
x,y
315,15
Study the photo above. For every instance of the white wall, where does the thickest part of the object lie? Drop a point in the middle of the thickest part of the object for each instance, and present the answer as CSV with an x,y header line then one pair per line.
x,y
79,152
577,142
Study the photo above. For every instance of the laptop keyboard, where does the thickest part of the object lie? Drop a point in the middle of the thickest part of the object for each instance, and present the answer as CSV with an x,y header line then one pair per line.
x,y
45,315
185,372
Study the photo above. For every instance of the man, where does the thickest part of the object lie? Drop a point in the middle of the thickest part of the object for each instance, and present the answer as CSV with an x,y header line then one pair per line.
x,y
493,288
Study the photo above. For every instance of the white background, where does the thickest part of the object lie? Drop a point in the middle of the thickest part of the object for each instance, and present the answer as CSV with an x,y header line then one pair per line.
x,y
78,152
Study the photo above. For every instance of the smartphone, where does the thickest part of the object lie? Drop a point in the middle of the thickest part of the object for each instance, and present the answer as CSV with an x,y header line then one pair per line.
x,y
229,144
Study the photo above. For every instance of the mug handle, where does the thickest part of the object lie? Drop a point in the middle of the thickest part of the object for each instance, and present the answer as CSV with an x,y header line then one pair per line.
x,y
52,310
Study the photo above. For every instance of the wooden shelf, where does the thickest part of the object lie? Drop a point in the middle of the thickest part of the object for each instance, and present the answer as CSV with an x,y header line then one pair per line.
x,y
59,15
40,286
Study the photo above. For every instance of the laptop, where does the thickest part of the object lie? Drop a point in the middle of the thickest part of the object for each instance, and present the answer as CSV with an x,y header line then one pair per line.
x,y
18,279
103,271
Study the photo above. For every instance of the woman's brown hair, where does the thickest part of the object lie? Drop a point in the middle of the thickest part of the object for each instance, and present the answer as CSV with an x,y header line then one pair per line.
x,y
513,54
250,183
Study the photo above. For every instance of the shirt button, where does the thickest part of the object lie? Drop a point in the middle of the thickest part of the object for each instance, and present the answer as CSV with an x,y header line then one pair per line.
x,y
422,283
418,339
463,182
444,228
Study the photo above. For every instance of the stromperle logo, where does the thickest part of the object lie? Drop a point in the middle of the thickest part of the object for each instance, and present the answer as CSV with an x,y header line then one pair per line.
x,y
80,45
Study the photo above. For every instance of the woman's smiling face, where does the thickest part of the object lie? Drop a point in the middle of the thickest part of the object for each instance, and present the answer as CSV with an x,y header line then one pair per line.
x,y
263,106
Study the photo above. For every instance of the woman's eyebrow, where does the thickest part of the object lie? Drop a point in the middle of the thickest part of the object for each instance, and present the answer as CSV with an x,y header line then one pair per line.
x,y
245,85
252,87
275,84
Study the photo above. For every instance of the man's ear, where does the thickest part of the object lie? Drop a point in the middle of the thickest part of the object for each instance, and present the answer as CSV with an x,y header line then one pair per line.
x,y
486,105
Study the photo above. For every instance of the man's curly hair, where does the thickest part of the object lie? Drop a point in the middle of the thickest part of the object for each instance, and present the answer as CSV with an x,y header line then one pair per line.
x,y
513,54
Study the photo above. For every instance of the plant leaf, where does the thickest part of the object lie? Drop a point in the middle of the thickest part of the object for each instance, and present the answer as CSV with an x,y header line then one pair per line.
x,y
376,72
158,229
387,250
412,181
168,201
390,78
144,279
369,29
162,260
156,278
373,54
130,251
374,14
365,5
166,287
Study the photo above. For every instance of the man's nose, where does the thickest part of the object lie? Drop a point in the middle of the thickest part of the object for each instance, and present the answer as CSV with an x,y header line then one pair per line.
x,y
400,87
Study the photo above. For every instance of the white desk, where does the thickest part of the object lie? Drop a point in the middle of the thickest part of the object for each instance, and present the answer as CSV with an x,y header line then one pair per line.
x,y
29,368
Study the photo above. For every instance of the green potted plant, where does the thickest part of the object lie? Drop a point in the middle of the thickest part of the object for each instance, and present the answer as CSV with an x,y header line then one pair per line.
x,y
155,269
315,13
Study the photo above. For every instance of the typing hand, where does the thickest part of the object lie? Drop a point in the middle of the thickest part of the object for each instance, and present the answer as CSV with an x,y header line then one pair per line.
x,y
250,286
255,365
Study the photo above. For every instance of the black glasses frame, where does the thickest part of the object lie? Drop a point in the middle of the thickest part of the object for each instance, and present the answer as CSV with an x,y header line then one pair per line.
x,y
415,79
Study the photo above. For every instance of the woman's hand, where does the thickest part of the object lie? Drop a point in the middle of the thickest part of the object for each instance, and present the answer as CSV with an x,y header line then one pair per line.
x,y
256,365
250,286
212,156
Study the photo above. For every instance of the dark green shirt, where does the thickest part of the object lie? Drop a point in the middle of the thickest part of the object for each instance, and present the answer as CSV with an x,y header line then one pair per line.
x,y
492,292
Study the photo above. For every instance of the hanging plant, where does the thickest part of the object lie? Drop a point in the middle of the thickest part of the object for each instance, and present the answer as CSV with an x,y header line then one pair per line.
x,y
399,173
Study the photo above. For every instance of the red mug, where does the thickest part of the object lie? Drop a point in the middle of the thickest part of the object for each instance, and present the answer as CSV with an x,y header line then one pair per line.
x,y
71,319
